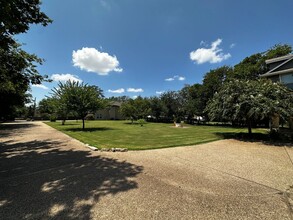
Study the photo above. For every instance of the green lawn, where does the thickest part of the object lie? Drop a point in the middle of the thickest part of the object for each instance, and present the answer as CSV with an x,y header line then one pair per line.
x,y
122,134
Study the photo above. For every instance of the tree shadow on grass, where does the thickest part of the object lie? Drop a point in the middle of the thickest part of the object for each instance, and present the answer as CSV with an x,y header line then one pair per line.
x,y
42,180
256,137
89,129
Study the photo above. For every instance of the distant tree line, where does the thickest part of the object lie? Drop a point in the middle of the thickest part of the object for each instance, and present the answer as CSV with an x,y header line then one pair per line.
x,y
227,94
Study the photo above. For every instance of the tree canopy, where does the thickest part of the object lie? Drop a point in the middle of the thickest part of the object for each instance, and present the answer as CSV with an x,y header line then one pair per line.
x,y
17,67
78,97
250,100
250,68
16,17
135,108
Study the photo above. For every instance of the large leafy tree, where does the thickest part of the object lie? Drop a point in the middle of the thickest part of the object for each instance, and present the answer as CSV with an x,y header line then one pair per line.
x,y
78,97
250,100
16,17
135,109
192,100
157,107
253,66
17,67
213,81
174,105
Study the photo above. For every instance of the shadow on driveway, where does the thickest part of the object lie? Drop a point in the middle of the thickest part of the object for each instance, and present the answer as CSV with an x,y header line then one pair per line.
x,y
280,141
39,180
9,129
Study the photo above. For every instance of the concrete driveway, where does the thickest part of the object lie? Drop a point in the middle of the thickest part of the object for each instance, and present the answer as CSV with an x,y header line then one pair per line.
x,y
45,174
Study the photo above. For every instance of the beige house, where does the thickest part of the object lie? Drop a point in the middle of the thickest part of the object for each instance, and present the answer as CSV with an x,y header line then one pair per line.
x,y
111,112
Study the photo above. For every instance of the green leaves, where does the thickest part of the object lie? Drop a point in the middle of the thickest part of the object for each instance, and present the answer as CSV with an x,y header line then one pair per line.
x,y
241,100
17,67
78,98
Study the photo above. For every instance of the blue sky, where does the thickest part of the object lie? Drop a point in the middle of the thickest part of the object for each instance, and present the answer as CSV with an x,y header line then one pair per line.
x,y
144,47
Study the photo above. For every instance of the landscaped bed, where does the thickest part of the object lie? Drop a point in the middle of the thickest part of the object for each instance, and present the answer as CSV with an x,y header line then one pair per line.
x,y
123,134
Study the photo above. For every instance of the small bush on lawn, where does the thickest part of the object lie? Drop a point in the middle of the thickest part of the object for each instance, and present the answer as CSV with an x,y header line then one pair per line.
x,y
141,122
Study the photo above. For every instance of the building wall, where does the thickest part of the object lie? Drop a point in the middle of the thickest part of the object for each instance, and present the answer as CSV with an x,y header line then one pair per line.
x,y
109,113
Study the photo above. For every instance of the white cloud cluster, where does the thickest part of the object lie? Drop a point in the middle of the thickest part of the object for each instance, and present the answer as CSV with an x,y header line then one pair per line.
x,y
134,90
159,92
212,55
180,78
121,90
92,60
65,77
41,86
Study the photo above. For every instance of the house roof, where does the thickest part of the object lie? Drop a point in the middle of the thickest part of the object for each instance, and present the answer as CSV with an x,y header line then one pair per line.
x,y
273,71
115,103
279,59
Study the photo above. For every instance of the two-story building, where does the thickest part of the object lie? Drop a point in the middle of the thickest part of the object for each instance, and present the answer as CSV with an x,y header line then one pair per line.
x,y
280,70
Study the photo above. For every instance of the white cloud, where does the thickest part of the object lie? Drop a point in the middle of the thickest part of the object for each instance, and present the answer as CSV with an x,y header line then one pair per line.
x,y
169,79
134,90
92,60
180,78
211,55
232,45
134,97
121,90
41,86
159,92
65,77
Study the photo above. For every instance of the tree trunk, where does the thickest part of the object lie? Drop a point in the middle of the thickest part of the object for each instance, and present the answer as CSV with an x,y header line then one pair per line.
x,y
82,123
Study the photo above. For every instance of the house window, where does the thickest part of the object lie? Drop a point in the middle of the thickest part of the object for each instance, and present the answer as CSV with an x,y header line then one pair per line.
x,y
287,78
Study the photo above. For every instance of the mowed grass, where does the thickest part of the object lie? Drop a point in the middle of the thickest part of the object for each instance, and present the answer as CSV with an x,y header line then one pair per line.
x,y
123,134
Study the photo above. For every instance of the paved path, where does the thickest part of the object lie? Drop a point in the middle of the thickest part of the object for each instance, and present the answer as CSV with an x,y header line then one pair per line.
x,y
45,174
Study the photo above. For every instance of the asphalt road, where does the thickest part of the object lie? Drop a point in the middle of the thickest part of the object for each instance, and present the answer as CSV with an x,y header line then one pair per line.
x,y
45,174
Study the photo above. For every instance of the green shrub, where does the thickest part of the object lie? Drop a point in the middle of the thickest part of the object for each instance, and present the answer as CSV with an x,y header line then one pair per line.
x,y
141,122
53,118
90,117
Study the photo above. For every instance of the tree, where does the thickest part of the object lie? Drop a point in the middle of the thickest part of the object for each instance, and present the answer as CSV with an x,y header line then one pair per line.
x,y
250,100
173,103
128,110
213,81
16,17
192,100
253,66
79,98
48,108
136,108
17,67
157,107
